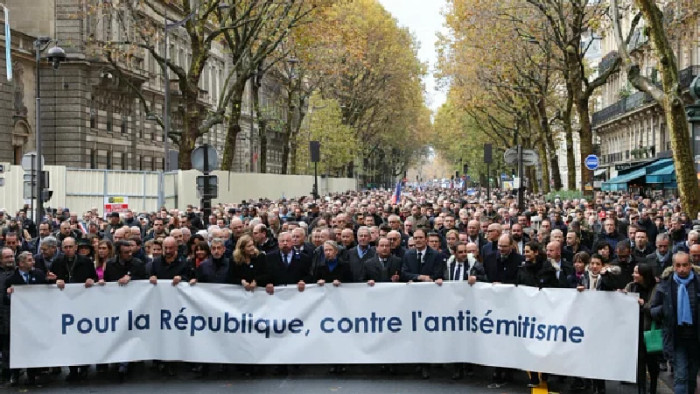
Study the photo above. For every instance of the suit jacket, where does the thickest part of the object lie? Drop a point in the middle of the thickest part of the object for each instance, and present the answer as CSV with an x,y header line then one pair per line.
x,y
378,272
255,270
115,269
432,265
281,274
162,270
502,270
36,277
357,264
81,270
307,248
477,269
41,264
489,248
341,272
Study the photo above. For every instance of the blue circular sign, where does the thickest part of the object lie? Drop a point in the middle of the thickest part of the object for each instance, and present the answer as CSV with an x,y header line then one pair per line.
x,y
592,162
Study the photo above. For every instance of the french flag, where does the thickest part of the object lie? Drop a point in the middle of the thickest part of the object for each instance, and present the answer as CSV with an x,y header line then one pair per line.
x,y
396,198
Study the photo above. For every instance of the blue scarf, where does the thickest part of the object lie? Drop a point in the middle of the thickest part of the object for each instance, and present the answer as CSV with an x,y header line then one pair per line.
x,y
332,264
684,313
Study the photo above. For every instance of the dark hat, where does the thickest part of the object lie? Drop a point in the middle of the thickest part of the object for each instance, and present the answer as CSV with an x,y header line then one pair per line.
x,y
313,205
84,243
114,215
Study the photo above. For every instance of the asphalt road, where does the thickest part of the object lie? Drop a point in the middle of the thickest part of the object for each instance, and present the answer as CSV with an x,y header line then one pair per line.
x,y
307,380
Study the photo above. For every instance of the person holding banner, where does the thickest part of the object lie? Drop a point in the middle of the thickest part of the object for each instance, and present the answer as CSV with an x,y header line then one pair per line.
x,y
676,304
122,269
644,283
249,267
287,268
25,274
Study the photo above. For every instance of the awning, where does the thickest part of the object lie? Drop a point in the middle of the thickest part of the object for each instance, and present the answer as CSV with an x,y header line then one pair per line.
x,y
659,171
599,172
662,172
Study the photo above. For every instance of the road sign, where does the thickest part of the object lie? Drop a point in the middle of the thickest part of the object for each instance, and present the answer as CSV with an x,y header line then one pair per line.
x,y
28,190
198,158
530,157
116,204
592,162
28,161
511,156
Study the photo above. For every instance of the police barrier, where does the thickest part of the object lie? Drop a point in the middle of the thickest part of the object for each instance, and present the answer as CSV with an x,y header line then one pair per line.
x,y
561,331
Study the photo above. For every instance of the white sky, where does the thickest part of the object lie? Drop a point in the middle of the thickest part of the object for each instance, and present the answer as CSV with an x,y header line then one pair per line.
x,y
423,19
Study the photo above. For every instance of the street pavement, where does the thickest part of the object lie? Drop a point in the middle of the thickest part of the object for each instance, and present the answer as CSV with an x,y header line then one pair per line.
x,y
308,380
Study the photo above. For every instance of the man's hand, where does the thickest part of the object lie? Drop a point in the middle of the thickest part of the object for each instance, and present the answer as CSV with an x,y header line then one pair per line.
x,y
176,280
438,282
270,289
301,285
370,283
101,282
471,280
153,279
320,282
336,283
10,290
89,283
50,276
193,282
124,280
60,284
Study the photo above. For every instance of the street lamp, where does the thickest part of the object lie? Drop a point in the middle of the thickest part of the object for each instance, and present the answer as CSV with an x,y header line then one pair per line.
x,y
55,55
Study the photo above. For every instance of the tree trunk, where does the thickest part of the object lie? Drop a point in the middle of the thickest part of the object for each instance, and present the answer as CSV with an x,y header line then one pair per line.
x,y
549,141
262,129
233,126
585,143
545,169
674,110
569,137
190,130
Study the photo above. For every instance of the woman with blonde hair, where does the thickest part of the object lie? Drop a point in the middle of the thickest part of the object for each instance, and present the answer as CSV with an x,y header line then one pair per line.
x,y
249,265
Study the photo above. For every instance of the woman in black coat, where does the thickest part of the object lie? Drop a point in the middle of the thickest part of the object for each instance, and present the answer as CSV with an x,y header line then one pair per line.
x,y
644,283
536,271
249,267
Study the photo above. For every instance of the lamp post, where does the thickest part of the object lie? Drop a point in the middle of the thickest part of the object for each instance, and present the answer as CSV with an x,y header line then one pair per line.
x,y
55,55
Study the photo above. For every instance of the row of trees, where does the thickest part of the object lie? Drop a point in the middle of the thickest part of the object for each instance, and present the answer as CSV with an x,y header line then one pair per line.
x,y
350,76
517,73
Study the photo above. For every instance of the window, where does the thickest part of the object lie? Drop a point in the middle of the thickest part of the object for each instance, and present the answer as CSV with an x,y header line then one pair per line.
x,y
125,161
153,164
93,114
93,159
110,119
124,124
109,159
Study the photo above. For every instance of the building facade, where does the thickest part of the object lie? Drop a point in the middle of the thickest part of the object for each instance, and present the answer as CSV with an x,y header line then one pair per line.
x,y
90,114
629,124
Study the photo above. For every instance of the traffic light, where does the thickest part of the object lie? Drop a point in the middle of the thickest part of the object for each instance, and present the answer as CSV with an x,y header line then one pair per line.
x,y
46,195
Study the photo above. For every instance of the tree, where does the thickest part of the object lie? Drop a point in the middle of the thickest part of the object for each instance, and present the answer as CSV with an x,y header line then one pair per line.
x,y
669,95
137,24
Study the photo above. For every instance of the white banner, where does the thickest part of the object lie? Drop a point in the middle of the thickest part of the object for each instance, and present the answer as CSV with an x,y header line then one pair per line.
x,y
561,331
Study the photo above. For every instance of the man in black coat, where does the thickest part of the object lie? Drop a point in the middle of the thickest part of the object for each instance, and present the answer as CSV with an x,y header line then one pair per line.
x,y
502,267
7,269
286,267
358,255
422,264
25,274
123,268
70,267
661,258
383,267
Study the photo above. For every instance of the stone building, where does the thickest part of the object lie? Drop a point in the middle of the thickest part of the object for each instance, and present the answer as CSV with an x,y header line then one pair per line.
x,y
91,118
630,125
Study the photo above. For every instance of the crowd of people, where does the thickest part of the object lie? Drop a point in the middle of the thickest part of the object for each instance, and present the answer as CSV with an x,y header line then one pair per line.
x,y
611,242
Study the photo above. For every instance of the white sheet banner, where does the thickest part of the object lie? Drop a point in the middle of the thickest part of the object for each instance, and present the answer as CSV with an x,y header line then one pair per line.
x,y
561,331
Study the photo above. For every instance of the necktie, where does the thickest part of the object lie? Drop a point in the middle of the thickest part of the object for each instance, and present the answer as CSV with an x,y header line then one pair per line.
x,y
420,257
383,261
26,277
286,260
458,272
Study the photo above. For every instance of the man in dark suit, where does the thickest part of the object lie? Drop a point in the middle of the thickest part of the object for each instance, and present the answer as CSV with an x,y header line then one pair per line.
x,y
71,267
300,243
394,238
563,267
661,258
422,264
358,255
47,254
25,274
286,267
521,239
122,268
473,234
383,267
502,267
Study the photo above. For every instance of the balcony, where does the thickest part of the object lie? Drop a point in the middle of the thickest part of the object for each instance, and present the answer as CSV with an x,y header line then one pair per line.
x,y
639,99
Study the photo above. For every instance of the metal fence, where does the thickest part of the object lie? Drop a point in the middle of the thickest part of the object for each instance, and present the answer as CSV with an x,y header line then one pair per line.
x,y
82,189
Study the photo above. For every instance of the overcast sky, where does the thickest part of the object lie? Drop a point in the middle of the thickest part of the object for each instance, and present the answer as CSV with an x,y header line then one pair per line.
x,y
424,20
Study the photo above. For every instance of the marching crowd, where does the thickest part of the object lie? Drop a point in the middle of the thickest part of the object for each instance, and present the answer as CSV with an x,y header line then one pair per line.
x,y
611,242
